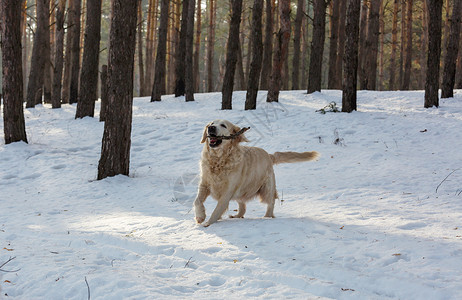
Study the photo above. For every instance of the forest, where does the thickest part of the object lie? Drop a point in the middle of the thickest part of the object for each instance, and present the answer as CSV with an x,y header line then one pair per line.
x,y
70,47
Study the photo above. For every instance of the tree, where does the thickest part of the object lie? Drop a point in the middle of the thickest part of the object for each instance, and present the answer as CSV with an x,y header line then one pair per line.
x,y
280,55
88,90
297,38
189,52
59,48
452,49
408,48
159,72
434,52
181,52
394,43
13,115
341,45
140,50
34,88
368,81
267,46
350,65
74,13
231,54
317,46
103,109
115,150
257,51
333,44
197,45
212,9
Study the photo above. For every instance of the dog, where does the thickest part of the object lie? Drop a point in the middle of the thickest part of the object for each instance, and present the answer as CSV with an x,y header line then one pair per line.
x,y
230,171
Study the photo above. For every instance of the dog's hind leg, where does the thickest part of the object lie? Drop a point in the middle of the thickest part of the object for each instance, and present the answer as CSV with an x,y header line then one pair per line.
x,y
268,195
241,212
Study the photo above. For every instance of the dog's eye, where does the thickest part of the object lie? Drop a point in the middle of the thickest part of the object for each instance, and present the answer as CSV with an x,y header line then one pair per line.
x,y
223,125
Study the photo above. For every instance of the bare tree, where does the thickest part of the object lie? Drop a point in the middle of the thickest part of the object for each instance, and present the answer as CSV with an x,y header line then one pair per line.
x,y
59,48
394,43
333,44
159,73
350,65
181,52
297,40
267,46
89,74
231,54
35,87
371,47
197,45
13,115
408,48
74,13
115,150
341,44
257,51
452,49
140,50
317,46
434,53
212,8
189,52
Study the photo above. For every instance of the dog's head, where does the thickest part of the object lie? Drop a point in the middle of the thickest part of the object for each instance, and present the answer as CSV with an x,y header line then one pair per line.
x,y
221,128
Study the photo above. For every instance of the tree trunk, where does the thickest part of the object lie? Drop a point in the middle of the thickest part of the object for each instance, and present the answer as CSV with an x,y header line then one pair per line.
x,y
297,37
189,49
267,46
403,42
197,45
333,44
452,49
14,128
103,109
341,45
280,55
362,40
89,74
423,45
211,44
434,52
350,65
75,52
257,51
240,76
159,73
59,44
371,47
115,151
231,54
180,58
35,87
47,67
317,47
408,53
394,43
66,83
140,51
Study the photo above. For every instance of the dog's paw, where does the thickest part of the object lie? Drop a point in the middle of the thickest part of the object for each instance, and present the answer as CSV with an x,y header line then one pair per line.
x,y
200,219
236,216
206,224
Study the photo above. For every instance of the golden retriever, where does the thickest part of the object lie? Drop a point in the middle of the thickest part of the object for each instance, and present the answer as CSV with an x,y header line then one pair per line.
x,y
230,171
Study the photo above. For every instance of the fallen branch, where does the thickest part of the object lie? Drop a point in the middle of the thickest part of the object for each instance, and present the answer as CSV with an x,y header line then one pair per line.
x,y
88,287
6,271
436,191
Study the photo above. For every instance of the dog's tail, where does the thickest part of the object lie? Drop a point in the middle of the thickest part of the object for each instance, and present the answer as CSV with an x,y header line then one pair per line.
x,y
292,157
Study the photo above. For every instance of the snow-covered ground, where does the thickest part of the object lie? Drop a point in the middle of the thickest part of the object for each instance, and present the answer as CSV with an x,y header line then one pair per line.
x,y
379,216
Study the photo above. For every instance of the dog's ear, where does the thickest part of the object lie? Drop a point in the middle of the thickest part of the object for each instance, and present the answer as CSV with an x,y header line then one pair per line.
x,y
204,135
241,138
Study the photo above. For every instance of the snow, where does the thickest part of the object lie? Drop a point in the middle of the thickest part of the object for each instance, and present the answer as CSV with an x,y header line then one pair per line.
x,y
379,216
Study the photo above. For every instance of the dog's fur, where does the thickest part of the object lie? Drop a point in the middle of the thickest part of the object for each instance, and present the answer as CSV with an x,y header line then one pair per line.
x,y
230,171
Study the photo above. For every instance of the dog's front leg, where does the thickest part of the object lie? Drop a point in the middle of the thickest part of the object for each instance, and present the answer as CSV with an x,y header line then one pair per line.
x,y
199,209
219,210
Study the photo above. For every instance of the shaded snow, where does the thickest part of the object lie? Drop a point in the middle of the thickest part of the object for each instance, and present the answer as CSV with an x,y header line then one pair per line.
x,y
374,218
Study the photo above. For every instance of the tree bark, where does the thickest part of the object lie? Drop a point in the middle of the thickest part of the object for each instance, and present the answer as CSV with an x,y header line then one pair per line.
x,y
408,49
14,128
189,51
59,45
197,45
333,44
423,45
350,65
231,54
103,109
362,39
297,38
341,45
317,47
35,86
267,46
452,49
257,51
75,52
434,52
211,44
280,55
89,74
181,52
394,43
371,47
115,150
159,73
140,51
